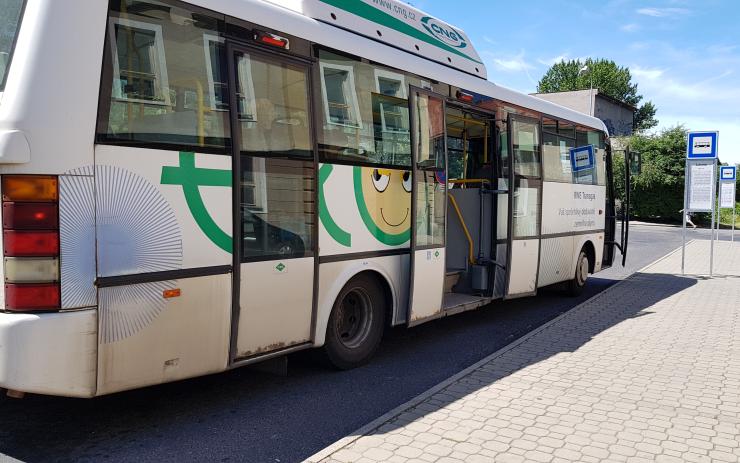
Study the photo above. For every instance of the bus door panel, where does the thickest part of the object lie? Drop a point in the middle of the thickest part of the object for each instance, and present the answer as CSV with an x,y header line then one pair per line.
x,y
428,206
525,207
163,285
611,215
275,203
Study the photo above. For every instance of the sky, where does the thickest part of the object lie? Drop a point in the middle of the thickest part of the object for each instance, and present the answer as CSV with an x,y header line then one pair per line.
x,y
683,54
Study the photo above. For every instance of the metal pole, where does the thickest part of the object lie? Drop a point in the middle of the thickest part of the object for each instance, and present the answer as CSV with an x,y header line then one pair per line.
x,y
714,209
684,212
591,71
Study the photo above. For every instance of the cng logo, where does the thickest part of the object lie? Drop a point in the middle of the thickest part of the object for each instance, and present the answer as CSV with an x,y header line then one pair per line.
x,y
443,32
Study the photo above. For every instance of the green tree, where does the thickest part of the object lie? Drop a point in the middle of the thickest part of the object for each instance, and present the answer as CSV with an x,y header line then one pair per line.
x,y
657,192
645,117
611,79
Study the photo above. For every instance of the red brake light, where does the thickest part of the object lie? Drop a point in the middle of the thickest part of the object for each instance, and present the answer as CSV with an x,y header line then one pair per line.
x,y
465,97
25,297
30,216
273,40
30,243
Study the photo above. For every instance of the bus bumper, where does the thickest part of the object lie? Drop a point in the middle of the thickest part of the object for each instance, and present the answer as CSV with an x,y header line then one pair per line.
x,y
54,354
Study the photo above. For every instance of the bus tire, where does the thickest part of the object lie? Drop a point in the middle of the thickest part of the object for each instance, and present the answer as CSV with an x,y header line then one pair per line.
x,y
576,285
356,323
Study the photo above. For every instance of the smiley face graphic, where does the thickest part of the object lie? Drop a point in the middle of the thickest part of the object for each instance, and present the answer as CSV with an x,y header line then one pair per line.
x,y
384,200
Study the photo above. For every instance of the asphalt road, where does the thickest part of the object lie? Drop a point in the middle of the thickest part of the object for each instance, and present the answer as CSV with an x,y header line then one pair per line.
x,y
244,415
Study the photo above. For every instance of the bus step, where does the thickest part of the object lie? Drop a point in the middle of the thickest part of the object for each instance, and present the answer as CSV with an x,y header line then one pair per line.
x,y
277,366
451,279
13,394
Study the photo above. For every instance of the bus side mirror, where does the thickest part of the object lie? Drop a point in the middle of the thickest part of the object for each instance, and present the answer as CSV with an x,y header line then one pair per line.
x,y
635,163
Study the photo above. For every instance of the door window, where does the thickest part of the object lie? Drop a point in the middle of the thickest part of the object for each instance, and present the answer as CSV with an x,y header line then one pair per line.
x,y
430,132
526,143
277,169
276,207
429,139
527,181
430,209
273,108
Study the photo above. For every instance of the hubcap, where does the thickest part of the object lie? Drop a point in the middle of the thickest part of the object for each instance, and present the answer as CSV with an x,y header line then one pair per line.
x,y
583,271
354,318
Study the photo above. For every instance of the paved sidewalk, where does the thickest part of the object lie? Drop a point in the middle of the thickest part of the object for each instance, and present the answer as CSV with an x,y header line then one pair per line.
x,y
648,370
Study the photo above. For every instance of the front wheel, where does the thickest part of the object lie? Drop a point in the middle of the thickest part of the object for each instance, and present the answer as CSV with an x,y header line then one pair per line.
x,y
356,323
576,285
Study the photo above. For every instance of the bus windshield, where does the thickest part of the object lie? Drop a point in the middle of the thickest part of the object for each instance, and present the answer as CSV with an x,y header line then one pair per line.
x,y
10,18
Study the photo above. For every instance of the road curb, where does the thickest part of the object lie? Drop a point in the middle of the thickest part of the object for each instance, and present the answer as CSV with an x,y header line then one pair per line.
x,y
376,423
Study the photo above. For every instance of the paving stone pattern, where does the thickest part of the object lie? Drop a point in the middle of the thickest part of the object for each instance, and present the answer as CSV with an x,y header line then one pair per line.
x,y
648,370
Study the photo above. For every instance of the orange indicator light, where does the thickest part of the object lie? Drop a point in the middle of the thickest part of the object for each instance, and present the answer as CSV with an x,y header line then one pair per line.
x,y
170,293
30,188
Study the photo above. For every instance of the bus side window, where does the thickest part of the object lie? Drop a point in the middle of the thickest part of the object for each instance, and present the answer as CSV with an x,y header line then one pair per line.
x,y
363,111
597,174
556,155
164,76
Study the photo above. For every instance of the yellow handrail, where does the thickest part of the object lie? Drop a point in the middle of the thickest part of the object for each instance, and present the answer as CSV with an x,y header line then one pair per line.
x,y
465,181
464,227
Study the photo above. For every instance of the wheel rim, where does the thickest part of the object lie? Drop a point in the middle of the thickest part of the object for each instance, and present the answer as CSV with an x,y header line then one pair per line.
x,y
582,272
354,319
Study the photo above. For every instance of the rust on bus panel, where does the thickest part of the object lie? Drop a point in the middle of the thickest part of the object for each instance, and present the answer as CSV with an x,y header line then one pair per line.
x,y
266,349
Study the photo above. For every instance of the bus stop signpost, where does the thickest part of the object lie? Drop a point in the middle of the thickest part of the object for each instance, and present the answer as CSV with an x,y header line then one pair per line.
x,y
727,192
699,190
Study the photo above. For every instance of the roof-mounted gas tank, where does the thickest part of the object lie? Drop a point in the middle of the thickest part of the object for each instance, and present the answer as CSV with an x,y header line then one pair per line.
x,y
401,26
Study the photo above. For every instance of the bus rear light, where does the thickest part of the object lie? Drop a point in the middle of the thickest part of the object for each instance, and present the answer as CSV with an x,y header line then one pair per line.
x,y
31,269
30,216
30,188
273,40
30,243
32,297
465,97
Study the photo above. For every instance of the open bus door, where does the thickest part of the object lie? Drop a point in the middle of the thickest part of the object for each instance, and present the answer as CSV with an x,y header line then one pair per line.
x,y
428,205
525,207
632,164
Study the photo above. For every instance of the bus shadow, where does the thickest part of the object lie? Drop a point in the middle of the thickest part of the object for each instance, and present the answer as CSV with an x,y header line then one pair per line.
x,y
565,335
243,415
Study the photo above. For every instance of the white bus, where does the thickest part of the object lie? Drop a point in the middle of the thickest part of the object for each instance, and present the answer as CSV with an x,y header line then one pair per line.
x,y
193,187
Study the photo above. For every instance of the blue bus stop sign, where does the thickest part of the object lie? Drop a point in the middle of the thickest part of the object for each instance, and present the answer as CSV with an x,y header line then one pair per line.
x,y
728,173
702,145
582,158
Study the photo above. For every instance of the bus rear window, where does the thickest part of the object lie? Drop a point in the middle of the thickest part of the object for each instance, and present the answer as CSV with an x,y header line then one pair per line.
x,y
10,19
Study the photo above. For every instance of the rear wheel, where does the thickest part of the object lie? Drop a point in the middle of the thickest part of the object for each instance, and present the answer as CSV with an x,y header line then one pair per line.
x,y
576,285
356,323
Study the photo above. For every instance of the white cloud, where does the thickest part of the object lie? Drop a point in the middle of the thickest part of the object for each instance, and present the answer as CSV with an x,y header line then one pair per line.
x,y
632,27
514,64
646,73
663,12
550,61
722,49
557,59
509,63
703,91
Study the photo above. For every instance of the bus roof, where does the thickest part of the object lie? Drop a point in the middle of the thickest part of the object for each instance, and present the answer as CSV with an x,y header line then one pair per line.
x,y
297,18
